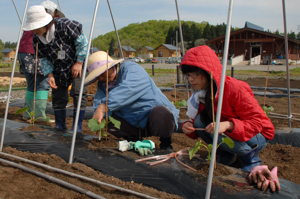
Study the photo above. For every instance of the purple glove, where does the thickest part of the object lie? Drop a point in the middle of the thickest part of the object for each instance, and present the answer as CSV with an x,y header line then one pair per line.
x,y
265,178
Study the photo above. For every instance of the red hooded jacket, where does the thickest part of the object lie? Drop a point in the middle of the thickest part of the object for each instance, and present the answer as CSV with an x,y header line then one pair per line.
x,y
239,104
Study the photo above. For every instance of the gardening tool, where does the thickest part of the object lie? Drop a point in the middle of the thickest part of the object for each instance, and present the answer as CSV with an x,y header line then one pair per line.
x,y
162,158
143,147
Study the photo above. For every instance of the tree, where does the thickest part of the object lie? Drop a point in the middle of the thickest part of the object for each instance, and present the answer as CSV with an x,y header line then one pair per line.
x,y
292,35
206,32
112,47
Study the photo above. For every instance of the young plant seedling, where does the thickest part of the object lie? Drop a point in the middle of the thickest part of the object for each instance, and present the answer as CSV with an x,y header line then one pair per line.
x,y
179,104
31,114
267,109
95,126
198,144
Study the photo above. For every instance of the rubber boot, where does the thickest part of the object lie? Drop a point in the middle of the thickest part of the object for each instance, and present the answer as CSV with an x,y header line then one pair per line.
x,y
80,119
60,119
41,104
29,97
225,157
165,143
250,159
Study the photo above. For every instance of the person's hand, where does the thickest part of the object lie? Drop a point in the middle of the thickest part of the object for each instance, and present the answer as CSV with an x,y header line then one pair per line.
x,y
265,178
99,113
76,69
188,128
52,81
224,126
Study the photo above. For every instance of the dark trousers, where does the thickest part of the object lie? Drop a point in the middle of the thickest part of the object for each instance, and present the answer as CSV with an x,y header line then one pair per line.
x,y
160,123
60,96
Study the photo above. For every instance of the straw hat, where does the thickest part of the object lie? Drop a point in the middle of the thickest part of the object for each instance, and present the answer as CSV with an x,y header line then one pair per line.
x,y
97,64
37,17
51,7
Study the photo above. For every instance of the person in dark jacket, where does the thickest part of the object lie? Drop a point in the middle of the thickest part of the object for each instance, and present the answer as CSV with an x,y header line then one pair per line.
x,y
242,119
62,49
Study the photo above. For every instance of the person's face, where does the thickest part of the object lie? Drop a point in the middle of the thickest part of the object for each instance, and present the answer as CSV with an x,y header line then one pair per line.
x,y
40,31
197,80
103,76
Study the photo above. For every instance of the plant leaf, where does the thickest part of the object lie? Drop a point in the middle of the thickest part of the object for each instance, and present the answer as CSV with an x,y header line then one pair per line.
x,y
47,119
117,123
228,141
182,103
193,151
21,110
31,114
94,125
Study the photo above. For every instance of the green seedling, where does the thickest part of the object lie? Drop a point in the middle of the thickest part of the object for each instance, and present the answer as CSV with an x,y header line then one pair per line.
x,y
267,109
31,114
198,144
181,103
95,126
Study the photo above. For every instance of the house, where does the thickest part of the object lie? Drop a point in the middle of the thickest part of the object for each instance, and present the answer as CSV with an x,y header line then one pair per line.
x,y
8,54
145,52
128,51
252,41
167,50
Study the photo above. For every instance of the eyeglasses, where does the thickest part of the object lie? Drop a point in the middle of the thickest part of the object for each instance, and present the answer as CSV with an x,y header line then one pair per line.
x,y
192,75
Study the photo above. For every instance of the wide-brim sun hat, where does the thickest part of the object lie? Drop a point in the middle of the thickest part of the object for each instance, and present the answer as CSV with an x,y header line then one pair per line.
x,y
51,7
98,63
37,17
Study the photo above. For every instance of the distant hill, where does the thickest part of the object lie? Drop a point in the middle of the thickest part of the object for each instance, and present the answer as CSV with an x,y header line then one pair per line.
x,y
151,33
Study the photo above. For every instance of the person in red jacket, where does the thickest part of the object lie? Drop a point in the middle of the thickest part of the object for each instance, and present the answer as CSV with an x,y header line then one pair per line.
x,y
242,119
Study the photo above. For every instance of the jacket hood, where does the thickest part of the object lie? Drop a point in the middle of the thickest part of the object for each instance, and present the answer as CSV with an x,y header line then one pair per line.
x,y
206,59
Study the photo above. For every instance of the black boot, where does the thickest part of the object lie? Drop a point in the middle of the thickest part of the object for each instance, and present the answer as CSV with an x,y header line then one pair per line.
x,y
225,157
60,119
165,143
80,119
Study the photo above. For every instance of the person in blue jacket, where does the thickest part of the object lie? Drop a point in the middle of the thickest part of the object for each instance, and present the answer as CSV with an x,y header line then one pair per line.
x,y
133,99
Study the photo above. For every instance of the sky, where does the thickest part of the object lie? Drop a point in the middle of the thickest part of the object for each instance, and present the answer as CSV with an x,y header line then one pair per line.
x,y
265,13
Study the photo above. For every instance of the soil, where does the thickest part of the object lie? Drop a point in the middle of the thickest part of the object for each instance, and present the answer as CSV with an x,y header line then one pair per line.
x,y
16,183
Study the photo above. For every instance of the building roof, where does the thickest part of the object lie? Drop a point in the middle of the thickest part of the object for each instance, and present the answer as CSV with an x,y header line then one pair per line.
x,y
253,26
127,48
7,50
149,48
170,47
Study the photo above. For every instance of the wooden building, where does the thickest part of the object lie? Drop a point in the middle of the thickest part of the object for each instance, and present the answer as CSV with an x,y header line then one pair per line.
x,y
128,51
167,50
145,52
252,40
8,54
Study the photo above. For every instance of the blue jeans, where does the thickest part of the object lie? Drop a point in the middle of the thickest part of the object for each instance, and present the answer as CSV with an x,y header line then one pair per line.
x,y
42,82
239,148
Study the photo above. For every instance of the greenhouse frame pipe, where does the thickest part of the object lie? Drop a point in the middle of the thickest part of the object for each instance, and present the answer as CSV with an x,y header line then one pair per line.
x,y
112,18
286,41
82,84
59,5
52,179
182,45
220,100
17,11
76,175
12,77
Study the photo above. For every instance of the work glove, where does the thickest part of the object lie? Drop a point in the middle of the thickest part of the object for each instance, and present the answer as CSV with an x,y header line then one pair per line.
x,y
143,147
265,178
